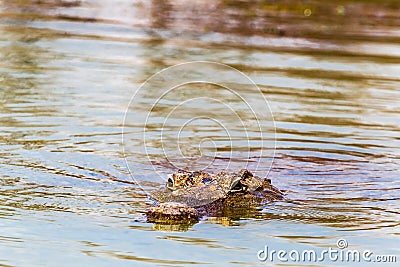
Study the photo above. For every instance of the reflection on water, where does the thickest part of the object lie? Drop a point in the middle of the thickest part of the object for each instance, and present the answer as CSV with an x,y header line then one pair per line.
x,y
330,71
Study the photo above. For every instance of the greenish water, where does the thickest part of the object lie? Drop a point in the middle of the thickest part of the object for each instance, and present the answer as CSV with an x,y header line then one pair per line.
x,y
68,69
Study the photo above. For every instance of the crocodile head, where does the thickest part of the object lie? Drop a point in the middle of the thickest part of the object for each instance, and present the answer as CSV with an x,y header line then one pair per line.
x,y
194,194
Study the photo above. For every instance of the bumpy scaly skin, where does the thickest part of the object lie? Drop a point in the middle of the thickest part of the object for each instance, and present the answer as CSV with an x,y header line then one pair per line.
x,y
171,212
212,195
195,188
184,179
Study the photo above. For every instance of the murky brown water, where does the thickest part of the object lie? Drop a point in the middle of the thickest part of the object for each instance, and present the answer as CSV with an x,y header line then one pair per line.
x,y
331,74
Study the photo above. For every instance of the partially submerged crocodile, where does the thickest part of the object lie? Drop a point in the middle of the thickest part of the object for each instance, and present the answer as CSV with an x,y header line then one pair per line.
x,y
190,195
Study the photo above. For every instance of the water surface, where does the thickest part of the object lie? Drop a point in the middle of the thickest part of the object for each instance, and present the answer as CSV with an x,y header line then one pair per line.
x,y
330,72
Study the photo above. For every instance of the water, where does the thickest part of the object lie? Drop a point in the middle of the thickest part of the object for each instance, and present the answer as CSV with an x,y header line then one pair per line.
x,y
330,72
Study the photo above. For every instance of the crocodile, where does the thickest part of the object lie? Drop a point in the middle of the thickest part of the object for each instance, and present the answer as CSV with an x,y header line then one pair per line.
x,y
189,196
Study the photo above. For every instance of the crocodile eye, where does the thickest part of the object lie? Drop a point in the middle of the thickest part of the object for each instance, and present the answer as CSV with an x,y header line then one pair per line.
x,y
170,183
237,187
206,180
